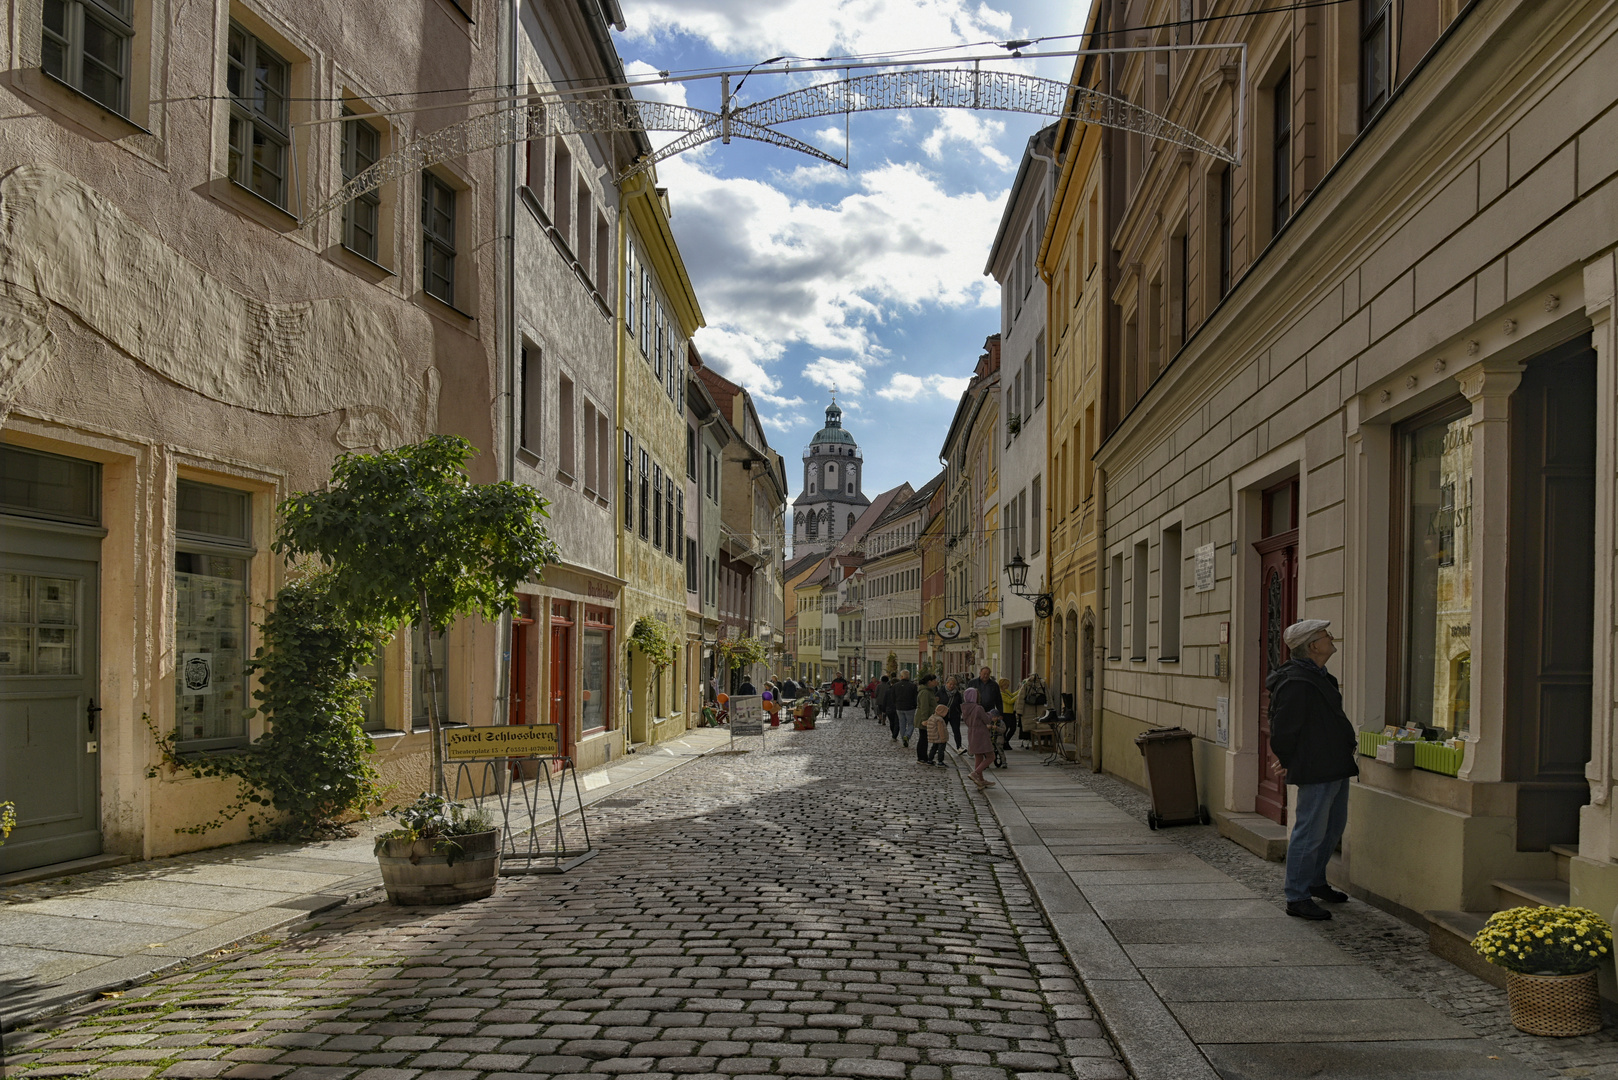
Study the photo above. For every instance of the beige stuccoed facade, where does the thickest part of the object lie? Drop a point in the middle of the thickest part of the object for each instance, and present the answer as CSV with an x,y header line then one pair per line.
x,y
184,355
1397,414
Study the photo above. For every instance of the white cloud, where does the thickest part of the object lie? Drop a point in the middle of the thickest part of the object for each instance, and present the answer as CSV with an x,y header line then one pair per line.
x,y
783,421
951,388
816,27
902,387
841,376
777,400
968,129
774,270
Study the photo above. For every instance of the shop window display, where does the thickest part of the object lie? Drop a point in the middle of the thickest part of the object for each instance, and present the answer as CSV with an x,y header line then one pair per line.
x,y
1438,573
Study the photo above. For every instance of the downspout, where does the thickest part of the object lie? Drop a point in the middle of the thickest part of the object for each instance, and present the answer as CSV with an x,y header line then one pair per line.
x,y
507,338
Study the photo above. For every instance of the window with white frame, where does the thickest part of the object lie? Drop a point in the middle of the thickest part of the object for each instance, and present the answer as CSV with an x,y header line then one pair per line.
x,y
259,82
87,44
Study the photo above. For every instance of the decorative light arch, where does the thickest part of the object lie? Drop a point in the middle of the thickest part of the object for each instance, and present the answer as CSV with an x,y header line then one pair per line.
x,y
600,112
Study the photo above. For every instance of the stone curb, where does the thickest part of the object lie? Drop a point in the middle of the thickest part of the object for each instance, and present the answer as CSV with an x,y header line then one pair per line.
x,y
300,910
1149,1039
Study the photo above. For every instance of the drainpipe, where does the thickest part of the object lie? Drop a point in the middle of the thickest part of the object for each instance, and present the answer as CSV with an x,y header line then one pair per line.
x,y
507,339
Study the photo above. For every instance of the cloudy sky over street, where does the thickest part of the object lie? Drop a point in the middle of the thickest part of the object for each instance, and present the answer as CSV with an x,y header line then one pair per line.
x,y
868,280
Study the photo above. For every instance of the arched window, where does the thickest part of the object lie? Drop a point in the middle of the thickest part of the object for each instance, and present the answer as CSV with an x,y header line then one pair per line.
x,y
811,487
814,527
831,473
851,487
851,521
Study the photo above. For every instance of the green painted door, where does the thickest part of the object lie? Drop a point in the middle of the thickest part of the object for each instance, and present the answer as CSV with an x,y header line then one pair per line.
x,y
49,733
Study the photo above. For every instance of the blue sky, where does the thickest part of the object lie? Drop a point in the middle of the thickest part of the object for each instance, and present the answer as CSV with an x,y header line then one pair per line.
x,y
869,280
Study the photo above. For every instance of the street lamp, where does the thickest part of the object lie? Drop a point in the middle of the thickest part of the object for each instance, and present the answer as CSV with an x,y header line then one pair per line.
x,y
1017,575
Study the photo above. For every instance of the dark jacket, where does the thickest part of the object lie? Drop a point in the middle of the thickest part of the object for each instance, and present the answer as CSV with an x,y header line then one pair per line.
x,y
988,694
1309,731
953,699
904,695
884,698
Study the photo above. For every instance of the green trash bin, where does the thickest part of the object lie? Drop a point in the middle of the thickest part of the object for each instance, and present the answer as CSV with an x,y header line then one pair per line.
x,y
1171,778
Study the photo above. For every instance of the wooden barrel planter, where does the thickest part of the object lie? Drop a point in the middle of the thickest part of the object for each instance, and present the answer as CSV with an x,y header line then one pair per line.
x,y
1556,1005
414,873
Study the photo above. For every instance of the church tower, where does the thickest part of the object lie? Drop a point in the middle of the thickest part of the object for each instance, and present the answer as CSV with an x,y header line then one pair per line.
x,y
833,494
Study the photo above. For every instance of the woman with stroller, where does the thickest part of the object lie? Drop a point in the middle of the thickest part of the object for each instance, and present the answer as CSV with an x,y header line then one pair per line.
x,y
1029,705
979,742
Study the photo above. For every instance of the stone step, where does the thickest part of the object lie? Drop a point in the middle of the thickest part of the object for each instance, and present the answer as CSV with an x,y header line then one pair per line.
x,y
1450,934
1564,857
1545,892
1255,832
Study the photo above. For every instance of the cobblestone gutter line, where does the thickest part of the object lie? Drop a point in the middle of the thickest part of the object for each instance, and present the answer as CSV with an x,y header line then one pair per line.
x,y
1391,947
824,909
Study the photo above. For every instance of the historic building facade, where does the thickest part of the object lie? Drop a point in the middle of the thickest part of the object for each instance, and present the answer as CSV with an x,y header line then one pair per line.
x,y
833,493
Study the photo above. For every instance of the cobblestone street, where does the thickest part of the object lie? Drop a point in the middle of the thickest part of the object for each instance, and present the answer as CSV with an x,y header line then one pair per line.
x,y
826,908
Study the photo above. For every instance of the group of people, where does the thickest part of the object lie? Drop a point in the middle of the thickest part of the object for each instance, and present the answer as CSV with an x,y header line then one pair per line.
x,y
979,706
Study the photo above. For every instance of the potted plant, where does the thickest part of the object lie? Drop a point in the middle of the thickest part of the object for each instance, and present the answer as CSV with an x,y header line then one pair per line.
x,y
1550,955
441,853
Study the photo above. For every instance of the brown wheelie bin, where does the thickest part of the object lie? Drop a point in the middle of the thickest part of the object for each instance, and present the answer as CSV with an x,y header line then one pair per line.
x,y
1171,778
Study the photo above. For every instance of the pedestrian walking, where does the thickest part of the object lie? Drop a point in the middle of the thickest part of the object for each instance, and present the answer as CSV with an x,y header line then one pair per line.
x,y
866,694
1030,703
979,743
926,701
952,698
1313,742
904,705
937,729
884,706
746,689
839,689
988,691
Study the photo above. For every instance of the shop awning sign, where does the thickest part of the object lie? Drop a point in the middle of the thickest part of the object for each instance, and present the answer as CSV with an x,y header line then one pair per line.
x,y
516,740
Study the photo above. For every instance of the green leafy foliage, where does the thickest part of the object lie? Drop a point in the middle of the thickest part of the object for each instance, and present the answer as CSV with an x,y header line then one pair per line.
x,y
741,652
313,765
891,667
408,536
655,639
436,818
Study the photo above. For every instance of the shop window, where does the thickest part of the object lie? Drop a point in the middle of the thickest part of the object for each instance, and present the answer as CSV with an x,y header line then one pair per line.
x,y
258,81
213,552
419,683
596,643
86,44
1435,545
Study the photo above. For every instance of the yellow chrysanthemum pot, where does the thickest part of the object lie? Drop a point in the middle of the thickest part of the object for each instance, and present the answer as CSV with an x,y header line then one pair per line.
x,y
1550,955
1556,1005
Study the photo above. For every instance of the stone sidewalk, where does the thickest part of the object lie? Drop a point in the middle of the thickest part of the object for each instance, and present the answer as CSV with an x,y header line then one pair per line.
x,y
65,939
1195,975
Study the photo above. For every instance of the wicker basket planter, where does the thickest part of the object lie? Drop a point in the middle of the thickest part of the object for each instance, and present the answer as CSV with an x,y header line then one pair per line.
x,y
1555,1005
417,872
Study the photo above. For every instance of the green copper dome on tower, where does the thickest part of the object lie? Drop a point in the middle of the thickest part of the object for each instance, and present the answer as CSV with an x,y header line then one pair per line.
x,y
833,431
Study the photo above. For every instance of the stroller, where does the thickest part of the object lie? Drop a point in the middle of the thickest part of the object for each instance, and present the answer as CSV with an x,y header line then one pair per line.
x,y
997,737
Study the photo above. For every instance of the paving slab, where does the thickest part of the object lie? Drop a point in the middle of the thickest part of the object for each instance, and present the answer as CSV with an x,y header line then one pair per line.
x,y
1428,1059
1301,949
1244,984
1314,1021
120,911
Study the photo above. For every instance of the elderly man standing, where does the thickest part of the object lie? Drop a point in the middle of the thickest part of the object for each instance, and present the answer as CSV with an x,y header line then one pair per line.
x,y
1314,741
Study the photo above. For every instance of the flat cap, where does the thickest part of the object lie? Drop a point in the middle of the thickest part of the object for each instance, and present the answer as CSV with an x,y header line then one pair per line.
x,y
1302,633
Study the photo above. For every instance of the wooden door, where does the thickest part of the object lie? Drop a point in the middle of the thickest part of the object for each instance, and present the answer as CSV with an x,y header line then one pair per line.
x,y
520,631
1278,609
1551,607
561,685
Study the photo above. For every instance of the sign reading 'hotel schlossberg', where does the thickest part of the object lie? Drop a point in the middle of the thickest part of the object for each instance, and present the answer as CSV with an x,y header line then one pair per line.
x,y
518,740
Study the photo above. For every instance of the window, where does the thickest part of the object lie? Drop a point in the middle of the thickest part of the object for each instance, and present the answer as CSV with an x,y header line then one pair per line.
x,y
629,481
1225,215
534,149
565,434
603,259
86,44
213,549
362,145
1168,603
438,238
44,485
1115,610
420,683
1137,608
561,189
1035,521
1039,369
258,81
690,564
1179,283
1376,51
657,506
604,454
532,395
656,356
589,448
645,494
595,654
1281,155
670,546
1025,379
690,452
586,220
645,311
375,701
631,276
1436,527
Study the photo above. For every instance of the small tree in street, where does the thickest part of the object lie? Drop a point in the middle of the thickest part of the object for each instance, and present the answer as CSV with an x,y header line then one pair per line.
x,y
408,537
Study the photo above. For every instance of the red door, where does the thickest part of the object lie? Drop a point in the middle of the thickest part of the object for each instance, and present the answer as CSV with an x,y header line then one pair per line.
x,y
520,623
562,683
1278,609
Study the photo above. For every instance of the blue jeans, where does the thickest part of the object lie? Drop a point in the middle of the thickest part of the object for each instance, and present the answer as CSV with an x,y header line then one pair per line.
x,y
1322,815
907,722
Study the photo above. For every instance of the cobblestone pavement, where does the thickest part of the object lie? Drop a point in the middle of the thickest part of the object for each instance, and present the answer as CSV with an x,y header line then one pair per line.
x,y
826,908
1393,948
